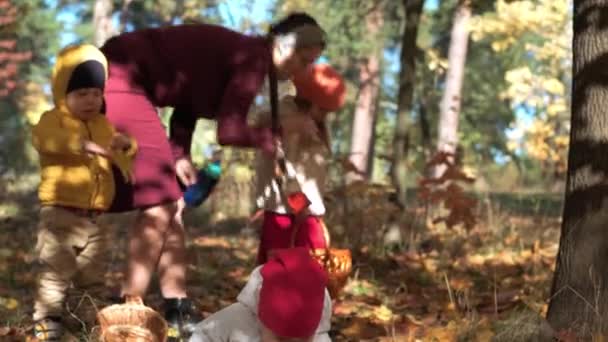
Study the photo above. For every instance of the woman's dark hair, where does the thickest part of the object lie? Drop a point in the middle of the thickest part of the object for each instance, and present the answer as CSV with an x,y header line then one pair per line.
x,y
291,22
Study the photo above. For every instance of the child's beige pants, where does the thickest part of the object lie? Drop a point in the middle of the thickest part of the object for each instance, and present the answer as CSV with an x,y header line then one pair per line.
x,y
71,248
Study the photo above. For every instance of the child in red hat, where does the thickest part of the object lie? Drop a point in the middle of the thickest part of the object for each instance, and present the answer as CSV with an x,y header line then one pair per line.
x,y
319,91
284,300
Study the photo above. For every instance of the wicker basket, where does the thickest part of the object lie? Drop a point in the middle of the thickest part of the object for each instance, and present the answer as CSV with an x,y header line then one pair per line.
x,y
132,322
337,264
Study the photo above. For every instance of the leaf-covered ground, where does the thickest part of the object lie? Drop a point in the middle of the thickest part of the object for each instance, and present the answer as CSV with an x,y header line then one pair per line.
x,y
490,283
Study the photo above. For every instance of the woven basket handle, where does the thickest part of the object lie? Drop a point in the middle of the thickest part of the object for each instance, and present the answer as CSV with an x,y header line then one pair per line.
x,y
274,113
135,300
296,228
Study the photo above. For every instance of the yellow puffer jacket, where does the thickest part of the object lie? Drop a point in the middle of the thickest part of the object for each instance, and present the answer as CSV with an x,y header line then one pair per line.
x,y
70,177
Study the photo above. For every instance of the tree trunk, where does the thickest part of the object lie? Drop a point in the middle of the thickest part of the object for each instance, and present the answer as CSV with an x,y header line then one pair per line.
x,y
425,126
407,76
450,103
365,109
371,155
102,21
579,295
124,15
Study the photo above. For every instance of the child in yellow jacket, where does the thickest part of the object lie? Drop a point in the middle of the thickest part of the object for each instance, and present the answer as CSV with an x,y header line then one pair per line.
x,y
77,147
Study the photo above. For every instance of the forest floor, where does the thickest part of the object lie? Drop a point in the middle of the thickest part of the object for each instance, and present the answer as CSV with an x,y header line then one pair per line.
x,y
491,283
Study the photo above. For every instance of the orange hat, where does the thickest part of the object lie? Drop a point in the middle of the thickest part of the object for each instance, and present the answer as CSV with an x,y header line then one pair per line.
x,y
322,85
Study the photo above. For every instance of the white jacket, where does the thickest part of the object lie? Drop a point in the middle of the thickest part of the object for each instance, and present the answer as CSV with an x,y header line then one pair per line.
x,y
239,322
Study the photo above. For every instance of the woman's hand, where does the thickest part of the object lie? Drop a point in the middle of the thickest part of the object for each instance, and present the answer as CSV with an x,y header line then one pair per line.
x,y
185,170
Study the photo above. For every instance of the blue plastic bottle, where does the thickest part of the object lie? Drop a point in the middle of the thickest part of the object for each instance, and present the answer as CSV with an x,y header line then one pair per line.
x,y
208,177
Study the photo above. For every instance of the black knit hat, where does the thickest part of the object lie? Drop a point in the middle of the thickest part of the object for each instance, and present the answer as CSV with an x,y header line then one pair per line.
x,y
89,74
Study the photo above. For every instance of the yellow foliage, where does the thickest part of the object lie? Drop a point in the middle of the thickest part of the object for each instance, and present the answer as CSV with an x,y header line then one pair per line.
x,y
553,86
512,145
513,19
538,86
547,145
470,171
295,5
33,102
435,62
557,107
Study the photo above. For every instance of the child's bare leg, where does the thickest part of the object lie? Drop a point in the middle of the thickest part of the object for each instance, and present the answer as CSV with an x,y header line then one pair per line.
x,y
173,259
146,240
179,311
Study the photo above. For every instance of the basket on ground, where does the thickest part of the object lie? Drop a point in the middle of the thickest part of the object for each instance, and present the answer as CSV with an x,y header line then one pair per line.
x,y
131,322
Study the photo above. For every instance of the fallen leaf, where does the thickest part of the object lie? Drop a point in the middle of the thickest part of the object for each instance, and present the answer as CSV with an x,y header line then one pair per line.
x,y
371,300
360,329
430,265
460,283
343,309
383,314
476,260
207,241
443,333
238,273
9,303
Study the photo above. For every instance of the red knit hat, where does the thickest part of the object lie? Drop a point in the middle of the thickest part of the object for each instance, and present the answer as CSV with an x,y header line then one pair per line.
x,y
322,85
292,293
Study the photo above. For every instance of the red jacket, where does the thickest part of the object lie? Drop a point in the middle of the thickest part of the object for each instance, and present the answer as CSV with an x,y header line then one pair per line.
x,y
203,71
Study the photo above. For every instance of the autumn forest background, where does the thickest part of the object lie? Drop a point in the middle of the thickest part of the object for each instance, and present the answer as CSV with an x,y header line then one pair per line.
x,y
449,158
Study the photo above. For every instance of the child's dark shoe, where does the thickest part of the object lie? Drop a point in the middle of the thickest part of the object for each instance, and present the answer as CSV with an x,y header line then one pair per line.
x,y
48,329
182,317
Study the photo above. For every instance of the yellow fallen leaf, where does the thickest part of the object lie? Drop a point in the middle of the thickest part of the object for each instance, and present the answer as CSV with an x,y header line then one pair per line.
x,y
206,241
383,314
476,260
430,265
443,333
9,303
525,254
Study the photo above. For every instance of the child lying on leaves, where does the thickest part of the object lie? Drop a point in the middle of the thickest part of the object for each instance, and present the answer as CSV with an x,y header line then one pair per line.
x,y
284,300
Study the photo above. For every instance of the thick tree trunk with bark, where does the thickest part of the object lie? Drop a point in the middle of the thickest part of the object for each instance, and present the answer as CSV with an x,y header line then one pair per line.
x,y
102,21
425,126
579,296
450,103
407,77
365,108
